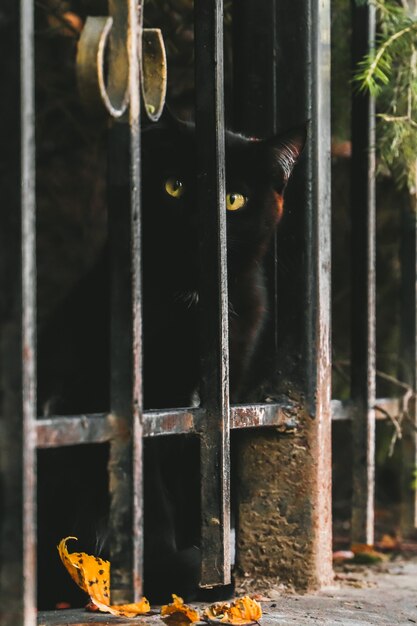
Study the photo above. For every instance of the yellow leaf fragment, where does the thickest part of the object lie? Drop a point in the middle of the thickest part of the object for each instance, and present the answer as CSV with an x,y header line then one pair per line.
x,y
125,610
67,24
366,553
92,575
179,613
388,543
243,610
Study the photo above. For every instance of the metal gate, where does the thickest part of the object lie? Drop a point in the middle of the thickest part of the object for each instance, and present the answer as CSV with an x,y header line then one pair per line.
x,y
266,96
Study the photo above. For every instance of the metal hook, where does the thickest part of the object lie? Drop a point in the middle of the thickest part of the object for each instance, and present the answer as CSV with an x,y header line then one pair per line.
x,y
153,73
103,78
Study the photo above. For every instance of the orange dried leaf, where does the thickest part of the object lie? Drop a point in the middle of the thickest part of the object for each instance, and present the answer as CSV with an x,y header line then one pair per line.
x,y
179,613
361,548
243,610
92,574
365,553
67,24
125,610
388,543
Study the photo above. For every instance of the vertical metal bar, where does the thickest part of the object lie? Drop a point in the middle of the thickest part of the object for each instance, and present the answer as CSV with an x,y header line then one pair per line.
x,y
318,385
17,333
363,286
125,465
408,360
296,494
28,352
215,443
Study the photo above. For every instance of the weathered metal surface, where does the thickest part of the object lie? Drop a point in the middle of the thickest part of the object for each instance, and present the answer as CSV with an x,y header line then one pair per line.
x,y
284,526
57,432
108,91
17,324
153,73
215,444
28,348
282,416
100,90
90,69
317,296
274,522
278,415
175,422
363,286
125,461
408,360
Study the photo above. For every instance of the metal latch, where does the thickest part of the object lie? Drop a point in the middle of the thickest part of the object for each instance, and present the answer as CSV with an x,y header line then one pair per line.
x,y
103,65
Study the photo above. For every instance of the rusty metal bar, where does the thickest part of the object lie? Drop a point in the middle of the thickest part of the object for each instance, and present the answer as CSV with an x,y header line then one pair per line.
x,y
317,296
408,360
72,430
125,463
363,286
214,442
303,355
18,325
56,432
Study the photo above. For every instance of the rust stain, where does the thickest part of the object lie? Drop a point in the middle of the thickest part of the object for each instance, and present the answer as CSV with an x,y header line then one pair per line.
x,y
279,201
27,353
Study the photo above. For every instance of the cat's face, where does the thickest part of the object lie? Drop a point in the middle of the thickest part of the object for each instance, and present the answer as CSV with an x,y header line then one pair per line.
x,y
256,175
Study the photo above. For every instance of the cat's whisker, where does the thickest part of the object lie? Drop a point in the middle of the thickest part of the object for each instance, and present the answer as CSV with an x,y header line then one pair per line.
x,y
232,310
193,298
190,298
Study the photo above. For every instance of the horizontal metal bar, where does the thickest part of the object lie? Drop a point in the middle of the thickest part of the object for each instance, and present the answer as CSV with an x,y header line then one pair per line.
x,y
172,422
344,409
281,415
59,431
56,432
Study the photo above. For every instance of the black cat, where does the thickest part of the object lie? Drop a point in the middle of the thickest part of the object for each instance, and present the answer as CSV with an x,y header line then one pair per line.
x,y
74,353
256,175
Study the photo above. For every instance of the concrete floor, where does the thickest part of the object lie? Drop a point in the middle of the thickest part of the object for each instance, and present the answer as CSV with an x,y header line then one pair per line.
x,y
383,594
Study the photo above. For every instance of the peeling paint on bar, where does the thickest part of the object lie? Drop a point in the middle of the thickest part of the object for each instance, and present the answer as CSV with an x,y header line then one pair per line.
x,y
18,327
214,342
58,431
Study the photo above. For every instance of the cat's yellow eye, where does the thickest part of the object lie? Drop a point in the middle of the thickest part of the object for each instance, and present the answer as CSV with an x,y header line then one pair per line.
x,y
174,187
235,201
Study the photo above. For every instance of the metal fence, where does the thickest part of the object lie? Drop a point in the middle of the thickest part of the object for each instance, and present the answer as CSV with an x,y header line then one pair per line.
x,y
296,42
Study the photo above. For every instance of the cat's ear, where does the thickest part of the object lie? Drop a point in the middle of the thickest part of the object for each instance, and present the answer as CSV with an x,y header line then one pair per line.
x,y
283,152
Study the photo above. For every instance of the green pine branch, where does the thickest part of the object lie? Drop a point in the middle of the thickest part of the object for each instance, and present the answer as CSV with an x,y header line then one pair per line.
x,y
389,73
